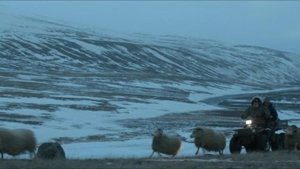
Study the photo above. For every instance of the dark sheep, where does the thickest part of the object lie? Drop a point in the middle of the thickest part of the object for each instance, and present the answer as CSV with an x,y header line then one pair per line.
x,y
51,150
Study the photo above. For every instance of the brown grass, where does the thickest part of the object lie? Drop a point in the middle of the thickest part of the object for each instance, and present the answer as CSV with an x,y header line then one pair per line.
x,y
285,156
272,160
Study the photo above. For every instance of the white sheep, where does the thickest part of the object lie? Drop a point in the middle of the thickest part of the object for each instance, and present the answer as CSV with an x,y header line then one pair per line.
x,y
292,138
17,141
166,144
208,139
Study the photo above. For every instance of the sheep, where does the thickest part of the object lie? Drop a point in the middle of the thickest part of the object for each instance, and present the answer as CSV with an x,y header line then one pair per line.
x,y
166,144
17,141
292,138
51,150
208,139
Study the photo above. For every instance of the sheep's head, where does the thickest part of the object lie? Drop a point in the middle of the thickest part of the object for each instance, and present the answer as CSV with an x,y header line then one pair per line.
x,y
158,133
291,130
196,132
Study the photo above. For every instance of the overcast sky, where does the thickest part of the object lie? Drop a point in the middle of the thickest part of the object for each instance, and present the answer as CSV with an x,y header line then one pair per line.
x,y
271,24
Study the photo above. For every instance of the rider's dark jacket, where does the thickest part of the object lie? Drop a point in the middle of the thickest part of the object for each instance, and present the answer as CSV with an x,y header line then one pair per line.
x,y
272,111
273,121
259,115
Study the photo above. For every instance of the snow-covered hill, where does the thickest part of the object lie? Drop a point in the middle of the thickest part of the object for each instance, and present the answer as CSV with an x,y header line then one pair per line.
x,y
84,88
30,44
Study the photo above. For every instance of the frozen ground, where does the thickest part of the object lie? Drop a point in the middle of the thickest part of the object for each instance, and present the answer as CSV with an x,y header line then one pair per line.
x,y
125,130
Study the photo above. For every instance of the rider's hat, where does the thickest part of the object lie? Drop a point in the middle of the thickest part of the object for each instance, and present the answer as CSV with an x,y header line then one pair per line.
x,y
256,98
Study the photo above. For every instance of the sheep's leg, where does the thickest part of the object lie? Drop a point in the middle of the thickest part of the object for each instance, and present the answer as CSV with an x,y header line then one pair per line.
x,y
197,151
220,152
203,150
151,154
159,154
1,155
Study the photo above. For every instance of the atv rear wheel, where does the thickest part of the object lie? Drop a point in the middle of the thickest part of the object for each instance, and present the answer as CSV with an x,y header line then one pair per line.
x,y
235,145
262,143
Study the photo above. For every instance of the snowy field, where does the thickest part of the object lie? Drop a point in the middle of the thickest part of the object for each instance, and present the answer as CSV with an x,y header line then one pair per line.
x,y
80,124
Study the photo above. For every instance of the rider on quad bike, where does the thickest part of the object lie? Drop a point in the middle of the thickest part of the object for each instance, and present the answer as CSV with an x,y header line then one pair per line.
x,y
255,135
257,112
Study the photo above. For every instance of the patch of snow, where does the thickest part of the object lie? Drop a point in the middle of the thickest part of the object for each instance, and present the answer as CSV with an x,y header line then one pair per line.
x,y
90,47
68,84
157,108
285,114
45,101
113,149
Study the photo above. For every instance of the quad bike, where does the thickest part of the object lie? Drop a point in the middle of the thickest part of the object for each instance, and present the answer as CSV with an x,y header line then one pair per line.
x,y
252,137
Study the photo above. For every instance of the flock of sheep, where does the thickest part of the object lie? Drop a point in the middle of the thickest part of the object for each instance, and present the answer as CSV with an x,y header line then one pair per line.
x,y
211,140
205,138
17,141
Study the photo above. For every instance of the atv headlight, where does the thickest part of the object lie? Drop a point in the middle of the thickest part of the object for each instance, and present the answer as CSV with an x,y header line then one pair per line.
x,y
248,122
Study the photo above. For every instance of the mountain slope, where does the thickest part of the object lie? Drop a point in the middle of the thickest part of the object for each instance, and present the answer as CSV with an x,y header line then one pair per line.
x,y
31,44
